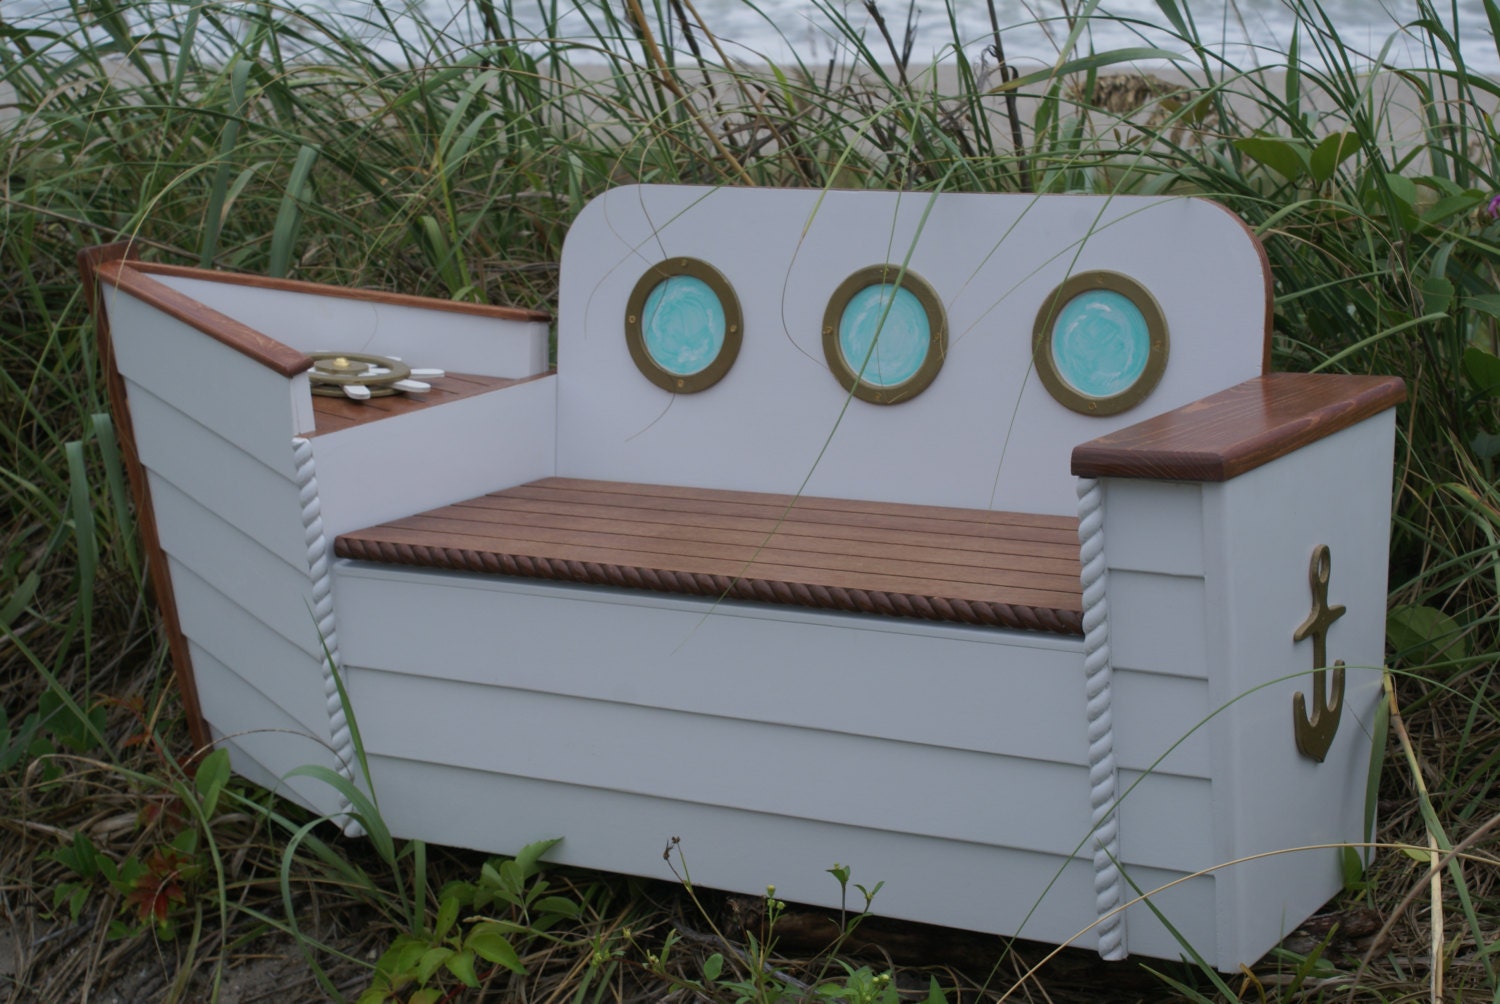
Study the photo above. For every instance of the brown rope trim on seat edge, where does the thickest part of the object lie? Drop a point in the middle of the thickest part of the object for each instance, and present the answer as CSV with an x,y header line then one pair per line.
x,y
984,614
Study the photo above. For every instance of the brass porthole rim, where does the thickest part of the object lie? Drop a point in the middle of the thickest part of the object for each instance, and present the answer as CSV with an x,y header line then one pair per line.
x,y
635,335
1156,355
937,327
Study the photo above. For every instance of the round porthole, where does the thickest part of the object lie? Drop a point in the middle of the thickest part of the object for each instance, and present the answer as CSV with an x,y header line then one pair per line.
x,y
885,341
683,325
1100,343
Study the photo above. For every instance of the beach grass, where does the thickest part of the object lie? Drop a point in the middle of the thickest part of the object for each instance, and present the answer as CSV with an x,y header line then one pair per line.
x,y
448,159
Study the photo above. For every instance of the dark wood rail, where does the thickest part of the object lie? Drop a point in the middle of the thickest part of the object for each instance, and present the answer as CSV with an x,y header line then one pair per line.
x,y
1239,429
344,292
130,277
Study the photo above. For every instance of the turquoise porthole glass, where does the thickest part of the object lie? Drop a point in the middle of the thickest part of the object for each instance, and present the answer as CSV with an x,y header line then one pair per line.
x,y
884,335
1100,343
884,340
683,325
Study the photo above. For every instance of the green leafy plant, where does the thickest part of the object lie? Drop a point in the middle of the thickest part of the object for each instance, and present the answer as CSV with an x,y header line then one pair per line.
x,y
463,936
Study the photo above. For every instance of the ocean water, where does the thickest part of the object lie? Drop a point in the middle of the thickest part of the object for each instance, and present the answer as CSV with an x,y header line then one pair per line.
x,y
1246,33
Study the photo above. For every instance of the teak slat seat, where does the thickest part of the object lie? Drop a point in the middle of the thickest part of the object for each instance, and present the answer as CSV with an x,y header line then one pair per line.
x,y
968,566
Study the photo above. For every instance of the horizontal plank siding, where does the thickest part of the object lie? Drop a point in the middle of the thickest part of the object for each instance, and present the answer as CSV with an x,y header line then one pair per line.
x,y
221,389
1142,638
774,769
288,675
972,886
276,743
1162,723
707,760
252,577
1154,526
260,501
1002,692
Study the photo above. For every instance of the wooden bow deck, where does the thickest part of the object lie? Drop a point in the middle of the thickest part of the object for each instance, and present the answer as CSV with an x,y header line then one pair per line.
x,y
969,566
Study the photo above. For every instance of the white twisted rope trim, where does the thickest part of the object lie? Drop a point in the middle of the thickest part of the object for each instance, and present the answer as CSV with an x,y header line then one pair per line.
x,y
1103,781
339,736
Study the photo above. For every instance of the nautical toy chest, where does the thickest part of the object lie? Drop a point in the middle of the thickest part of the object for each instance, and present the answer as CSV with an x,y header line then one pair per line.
x,y
962,539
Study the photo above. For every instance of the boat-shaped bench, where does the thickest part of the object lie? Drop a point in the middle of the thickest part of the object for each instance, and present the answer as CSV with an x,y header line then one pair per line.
x,y
961,539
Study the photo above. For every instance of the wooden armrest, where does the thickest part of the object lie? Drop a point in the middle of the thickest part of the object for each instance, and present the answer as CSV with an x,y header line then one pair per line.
x,y
1239,429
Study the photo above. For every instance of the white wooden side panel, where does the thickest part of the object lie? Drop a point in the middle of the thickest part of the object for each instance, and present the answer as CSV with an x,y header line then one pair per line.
x,y
1156,623
1007,693
235,486
385,470
808,693
1267,524
1165,821
289,677
236,397
446,339
1153,526
260,730
249,575
958,884
778,770
1161,723
985,434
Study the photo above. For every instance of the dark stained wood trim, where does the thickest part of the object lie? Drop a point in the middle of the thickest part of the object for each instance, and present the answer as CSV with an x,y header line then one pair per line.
x,y
1267,281
347,293
966,566
275,356
90,263
1239,429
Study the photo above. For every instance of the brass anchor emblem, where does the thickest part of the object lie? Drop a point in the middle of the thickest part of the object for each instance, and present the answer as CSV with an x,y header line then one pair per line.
x,y
1314,732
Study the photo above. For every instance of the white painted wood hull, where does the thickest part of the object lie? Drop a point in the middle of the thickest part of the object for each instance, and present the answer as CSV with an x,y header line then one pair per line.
x,y
950,762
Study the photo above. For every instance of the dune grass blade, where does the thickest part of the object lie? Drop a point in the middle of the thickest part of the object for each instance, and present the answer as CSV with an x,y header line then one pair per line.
x,y
289,217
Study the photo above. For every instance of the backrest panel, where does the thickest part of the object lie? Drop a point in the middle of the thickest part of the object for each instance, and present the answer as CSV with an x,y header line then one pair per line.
x,y
985,434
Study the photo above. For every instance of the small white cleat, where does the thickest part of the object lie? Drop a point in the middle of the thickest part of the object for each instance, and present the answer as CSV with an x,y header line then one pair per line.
x,y
357,391
412,386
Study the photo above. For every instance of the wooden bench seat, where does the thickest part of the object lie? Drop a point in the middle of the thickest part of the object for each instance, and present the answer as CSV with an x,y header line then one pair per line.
x,y
968,566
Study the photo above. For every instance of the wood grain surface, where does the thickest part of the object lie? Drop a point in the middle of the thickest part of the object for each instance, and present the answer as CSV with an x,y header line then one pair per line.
x,y
937,563
1239,429
335,413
